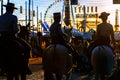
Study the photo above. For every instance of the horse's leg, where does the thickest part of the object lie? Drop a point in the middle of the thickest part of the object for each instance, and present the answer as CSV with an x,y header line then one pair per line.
x,y
10,76
59,76
2,71
99,77
96,76
102,77
68,76
16,76
23,76
48,76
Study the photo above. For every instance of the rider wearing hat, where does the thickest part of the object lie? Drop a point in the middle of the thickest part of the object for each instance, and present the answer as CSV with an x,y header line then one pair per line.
x,y
55,29
8,21
8,28
9,42
105,33
57,35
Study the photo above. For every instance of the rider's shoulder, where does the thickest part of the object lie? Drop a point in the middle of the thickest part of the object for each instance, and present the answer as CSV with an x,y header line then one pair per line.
x,y
14,16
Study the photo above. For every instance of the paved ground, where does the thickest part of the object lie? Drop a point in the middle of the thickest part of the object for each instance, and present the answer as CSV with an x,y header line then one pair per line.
x,y
38,72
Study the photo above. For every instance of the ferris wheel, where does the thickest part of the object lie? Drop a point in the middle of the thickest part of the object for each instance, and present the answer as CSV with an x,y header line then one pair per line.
x,y
56,6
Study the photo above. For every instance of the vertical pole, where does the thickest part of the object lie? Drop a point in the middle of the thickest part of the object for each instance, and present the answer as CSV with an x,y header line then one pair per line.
x,y
8,1
29,12
96,19
37,18
32,14
116,21
1,7
72,15
41,16
63,10
40,21
96,15
84,11
67,10
26,12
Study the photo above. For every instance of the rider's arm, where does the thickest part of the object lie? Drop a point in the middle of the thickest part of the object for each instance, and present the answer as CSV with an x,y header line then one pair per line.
x,y
61,32
15,25
112,36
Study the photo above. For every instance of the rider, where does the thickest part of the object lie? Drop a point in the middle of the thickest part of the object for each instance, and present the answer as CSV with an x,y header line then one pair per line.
x,y
55,29
8,34
104,32
104,35
8,22
57,36
8,26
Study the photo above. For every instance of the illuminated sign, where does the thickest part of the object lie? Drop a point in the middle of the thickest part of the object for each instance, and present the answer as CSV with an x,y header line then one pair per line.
x,y
87,15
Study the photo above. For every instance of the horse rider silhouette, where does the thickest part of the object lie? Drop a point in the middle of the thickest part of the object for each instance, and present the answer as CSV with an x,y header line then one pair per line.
x,y
9,40
57,35
104,34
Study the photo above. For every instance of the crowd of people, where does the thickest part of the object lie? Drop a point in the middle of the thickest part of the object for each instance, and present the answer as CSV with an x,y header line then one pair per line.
x,y
14,48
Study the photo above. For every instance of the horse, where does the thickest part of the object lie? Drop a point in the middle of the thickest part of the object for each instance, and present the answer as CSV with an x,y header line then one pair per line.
x,y
102,61
15,57
22,58
57,61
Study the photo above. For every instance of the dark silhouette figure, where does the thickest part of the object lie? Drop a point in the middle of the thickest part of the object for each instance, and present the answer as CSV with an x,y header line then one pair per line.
x,y
104,36
57,35
14,60
104,33
57,57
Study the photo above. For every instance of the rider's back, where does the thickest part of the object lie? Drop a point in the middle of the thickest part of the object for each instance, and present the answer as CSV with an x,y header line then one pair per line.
x,y
56,33
8,23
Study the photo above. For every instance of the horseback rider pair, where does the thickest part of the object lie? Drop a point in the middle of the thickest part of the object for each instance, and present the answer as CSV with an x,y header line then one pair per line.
x,y
58,36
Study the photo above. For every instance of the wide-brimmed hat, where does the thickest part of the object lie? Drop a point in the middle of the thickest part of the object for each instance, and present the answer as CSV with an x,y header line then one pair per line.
x,y
11,5
104,14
